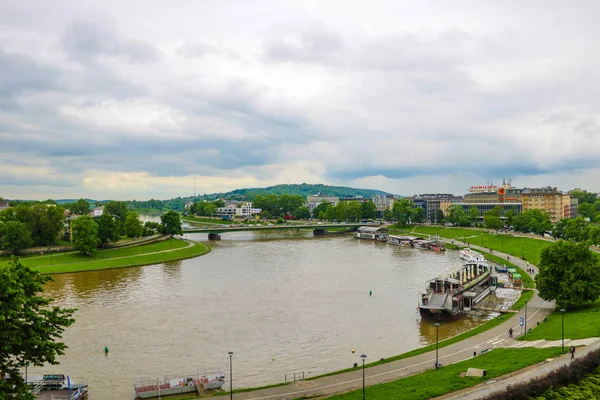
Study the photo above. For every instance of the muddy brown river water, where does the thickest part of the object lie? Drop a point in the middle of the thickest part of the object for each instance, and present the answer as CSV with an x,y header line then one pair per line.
x,y
282,302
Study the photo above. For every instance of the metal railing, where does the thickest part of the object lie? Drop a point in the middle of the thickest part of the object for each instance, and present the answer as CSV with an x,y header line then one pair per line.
x,y
294,376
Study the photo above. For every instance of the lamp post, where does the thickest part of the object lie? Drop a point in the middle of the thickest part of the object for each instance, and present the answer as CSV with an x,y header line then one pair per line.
x,y
562,314
230,375
437,337
363,356
525,320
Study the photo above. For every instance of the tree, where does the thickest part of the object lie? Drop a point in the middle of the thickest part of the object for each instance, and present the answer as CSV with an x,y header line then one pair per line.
x,y
576,229
321,207
457,216
15,236
45,222
210,209
29,327
419,216
80,207
559,229
473,214
568,273
587,210
492,218
302,213
171,223
533,220
353,211
584,196
108,229
403,211
510,217
369,210
84,234
118,209
438,216
133,226
329,213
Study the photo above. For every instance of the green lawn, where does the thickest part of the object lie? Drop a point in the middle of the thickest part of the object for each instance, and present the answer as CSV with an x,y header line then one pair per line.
x,y
207,220
76,257
582,322
447,379
522,247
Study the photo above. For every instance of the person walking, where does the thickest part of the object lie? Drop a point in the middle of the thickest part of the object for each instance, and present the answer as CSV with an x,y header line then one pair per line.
x,y
572,350
510,333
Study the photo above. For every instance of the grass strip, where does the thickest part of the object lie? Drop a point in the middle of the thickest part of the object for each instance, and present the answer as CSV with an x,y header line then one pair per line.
x,y
77,257
455,339
448,379
196,250
580,323
526,295
207,220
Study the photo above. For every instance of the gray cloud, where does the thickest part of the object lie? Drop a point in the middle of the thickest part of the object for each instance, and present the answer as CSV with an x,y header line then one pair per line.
x,y
85,41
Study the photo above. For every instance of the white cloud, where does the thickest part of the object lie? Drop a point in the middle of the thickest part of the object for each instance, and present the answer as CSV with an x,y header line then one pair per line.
x,y
399,96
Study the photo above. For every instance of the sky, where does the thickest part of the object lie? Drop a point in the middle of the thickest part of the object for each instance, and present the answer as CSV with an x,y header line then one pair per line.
x,y
139,99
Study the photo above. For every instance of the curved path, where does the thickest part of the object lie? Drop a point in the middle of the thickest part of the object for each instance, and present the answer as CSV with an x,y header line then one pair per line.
x,y
537,310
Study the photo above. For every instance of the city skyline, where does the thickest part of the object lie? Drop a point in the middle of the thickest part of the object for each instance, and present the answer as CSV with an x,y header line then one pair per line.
x,y
107,100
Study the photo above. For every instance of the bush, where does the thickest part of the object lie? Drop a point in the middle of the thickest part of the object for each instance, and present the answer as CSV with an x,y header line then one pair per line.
x,y
279,221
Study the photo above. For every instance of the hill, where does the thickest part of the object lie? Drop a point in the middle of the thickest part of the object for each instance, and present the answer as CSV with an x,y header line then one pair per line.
x,y
303,190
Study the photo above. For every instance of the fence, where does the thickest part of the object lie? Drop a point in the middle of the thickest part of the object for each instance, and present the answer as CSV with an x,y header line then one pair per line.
x,y
294,376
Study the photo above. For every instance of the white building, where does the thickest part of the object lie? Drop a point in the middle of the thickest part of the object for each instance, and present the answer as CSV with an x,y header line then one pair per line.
x,y
97,211
383,202
313,201
239,210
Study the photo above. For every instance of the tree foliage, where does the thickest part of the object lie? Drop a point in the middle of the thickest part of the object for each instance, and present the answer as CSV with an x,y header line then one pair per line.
x,y
118,209
29,327
84,234
533,220
568,273
133,227
419,215
45,222
456,215
80,207
492,218
473,214
171,223
402,211
108,229
369,210
15,236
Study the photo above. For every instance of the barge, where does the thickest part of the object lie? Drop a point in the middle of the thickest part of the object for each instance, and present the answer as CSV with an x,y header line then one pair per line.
x,y
449,296
147,388
372,233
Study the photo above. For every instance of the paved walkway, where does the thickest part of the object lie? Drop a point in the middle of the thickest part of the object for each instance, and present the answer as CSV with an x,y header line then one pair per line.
x,y
537,310
525,375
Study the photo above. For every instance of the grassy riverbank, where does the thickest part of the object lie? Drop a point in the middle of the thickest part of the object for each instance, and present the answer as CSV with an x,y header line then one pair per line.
x,y
168,250
206,220
522,247
580,323
448,379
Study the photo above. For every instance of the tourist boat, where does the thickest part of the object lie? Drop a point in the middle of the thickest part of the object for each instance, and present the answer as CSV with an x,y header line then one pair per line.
x,y
146,388
57,386
371,233
437,246
471,256
421,244
400,240
455,292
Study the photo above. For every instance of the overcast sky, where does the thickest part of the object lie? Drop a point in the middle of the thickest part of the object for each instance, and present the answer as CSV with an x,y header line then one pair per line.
x,y
133,99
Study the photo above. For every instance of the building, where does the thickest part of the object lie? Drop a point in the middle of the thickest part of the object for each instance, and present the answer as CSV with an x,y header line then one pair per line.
x,y
574,203
486,197
238,210
383,203
549,199
97,212
3,205
360,199
315,200
435,204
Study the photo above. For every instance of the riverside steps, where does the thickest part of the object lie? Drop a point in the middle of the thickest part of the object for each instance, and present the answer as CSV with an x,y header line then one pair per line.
x,y
537,309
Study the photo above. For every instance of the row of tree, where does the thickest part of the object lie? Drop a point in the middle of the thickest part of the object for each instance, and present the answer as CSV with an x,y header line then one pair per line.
x,y
578,230
26,225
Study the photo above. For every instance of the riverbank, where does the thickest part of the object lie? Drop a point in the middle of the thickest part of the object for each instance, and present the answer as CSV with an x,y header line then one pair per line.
x,y
165,251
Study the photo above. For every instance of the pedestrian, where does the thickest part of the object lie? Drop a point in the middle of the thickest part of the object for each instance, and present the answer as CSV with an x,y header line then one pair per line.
x,y
572,350
510,333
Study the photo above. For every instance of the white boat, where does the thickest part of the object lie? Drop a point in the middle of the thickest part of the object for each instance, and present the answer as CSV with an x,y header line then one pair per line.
x,y
400,240
471,256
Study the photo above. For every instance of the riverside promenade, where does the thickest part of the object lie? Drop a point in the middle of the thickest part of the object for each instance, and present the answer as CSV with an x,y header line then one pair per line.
x,y
537,310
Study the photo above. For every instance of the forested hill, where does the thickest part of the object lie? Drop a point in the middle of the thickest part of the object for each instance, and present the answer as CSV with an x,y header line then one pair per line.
x,y
303,190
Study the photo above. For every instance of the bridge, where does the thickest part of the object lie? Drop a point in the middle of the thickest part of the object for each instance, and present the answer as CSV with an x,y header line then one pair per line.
x,y
318,229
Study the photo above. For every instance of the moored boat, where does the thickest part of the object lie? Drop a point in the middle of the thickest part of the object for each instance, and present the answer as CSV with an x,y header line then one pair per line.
x,y
471,256
456,292
146,388
371,233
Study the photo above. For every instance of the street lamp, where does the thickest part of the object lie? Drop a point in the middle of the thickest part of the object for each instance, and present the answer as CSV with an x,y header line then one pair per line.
x,y
562,314
437,337
230,375
363,356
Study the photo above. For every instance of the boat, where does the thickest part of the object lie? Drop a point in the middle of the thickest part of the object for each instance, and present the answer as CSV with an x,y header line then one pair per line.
x,y
421,244
372,233
57,386
471,256
455,292
147,388
400,240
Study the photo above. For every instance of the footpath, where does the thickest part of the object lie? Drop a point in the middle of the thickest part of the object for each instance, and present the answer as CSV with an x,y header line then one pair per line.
x,y
537,310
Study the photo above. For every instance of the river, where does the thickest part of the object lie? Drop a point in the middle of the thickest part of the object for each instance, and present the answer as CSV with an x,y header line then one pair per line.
x,y
282,302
